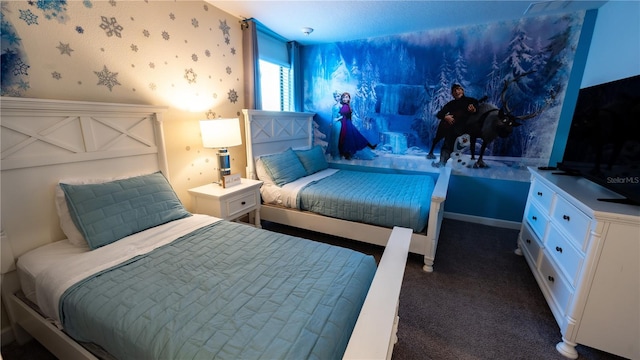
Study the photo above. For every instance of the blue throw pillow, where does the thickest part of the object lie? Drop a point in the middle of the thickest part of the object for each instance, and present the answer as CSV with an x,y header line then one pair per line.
x,y
107,212
312,159
283,167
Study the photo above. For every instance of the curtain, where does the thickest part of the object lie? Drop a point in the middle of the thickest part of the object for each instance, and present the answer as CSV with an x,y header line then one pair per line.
x,y
251,65
296,67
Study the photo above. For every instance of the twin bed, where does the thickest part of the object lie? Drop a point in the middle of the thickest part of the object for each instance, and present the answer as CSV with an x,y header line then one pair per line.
x,y
312,194
141,277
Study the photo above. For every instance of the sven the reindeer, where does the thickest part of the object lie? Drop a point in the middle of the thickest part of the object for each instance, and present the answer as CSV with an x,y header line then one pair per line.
x,y
490,122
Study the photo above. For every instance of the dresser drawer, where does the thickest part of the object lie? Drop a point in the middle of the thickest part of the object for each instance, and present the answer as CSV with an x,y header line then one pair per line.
x,y
568,259
536,219
573,222
557,287
530,245
240,204
542,194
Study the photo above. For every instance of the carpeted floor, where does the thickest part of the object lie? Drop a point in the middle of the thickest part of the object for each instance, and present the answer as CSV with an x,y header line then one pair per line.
x,y
481,302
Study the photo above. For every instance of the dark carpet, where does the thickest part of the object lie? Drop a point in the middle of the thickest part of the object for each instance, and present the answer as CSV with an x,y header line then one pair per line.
x,y
481,302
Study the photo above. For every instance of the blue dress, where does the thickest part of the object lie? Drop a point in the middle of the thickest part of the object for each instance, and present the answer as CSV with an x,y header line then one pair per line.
x,y
351,140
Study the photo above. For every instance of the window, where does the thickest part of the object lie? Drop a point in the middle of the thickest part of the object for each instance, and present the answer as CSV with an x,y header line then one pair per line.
x,y
275,86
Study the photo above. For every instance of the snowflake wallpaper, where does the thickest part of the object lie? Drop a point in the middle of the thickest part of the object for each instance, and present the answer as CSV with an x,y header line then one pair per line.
x,y
398,83
186,55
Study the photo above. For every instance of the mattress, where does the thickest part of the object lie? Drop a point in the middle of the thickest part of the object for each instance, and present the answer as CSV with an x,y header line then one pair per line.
x,y
380,199
224,290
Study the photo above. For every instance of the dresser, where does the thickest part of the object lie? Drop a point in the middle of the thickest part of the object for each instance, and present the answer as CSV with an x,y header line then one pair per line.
x,y
229,203
584,254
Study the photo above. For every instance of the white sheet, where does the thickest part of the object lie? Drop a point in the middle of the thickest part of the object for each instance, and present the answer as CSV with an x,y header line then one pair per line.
x,y
287,194
67,267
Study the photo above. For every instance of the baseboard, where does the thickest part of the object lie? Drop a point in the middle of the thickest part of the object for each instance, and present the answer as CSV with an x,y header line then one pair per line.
x,y
483,220
6,336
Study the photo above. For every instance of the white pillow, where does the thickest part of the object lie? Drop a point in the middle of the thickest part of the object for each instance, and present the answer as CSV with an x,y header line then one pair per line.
x,y
66,223
262,173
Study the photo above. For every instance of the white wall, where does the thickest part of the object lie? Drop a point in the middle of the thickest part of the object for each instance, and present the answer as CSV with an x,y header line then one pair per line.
x,y
615,47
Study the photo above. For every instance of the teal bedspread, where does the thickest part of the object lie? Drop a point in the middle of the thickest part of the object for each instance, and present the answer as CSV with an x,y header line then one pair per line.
x,y
225,291
374,198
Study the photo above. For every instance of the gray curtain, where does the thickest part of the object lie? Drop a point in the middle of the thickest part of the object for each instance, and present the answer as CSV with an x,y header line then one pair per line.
x,y
296,66
251,65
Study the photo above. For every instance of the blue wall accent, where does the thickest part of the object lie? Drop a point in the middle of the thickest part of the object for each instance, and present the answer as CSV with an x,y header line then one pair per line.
x,y
573,87
487,198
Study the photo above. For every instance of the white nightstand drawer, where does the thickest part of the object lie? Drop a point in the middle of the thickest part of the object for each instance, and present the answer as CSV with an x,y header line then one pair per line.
x,y
572,221
240,204
558,288
530,245
565,255
536,219
542,194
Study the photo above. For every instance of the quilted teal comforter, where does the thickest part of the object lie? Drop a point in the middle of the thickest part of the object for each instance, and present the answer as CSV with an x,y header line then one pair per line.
x,y
386,200
225,291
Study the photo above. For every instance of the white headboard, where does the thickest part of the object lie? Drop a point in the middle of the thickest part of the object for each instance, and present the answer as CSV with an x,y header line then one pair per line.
x,y
270,132
44,141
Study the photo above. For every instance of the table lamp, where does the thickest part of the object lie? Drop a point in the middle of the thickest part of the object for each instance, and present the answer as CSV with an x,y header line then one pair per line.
x,y
221,134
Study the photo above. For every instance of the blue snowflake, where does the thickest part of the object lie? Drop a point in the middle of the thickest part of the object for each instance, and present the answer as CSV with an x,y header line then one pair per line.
x,y
165,35
172,16
194,22
145,33
207,53
20,68
88,4
23,85
28,17
228,70
134,47
194,57
9,36
233,51
233,96
56,75
79,30
111,27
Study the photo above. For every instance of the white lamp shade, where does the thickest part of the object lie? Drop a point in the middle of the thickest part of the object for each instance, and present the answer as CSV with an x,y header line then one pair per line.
x,y
220,133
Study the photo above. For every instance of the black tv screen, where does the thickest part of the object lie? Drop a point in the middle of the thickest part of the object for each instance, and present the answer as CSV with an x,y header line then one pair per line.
x,y
604,139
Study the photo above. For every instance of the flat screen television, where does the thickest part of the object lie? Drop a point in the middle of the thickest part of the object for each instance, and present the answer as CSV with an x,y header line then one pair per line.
x,y
604,139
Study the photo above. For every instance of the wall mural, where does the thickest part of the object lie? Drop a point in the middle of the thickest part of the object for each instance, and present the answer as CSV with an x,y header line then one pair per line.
x,y
517,70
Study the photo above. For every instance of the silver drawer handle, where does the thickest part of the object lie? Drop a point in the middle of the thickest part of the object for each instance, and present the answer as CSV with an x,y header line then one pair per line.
x,y
551,278
566,217
559,249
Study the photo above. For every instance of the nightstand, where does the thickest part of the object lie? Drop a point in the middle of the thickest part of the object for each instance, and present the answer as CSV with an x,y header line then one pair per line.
x,y
229,203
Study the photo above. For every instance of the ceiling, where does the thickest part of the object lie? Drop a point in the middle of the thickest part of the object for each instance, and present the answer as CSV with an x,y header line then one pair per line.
x,y
335,21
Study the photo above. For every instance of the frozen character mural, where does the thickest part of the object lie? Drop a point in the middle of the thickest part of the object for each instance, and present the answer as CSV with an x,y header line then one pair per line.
x,y
454,115
399,83
350,140
335,126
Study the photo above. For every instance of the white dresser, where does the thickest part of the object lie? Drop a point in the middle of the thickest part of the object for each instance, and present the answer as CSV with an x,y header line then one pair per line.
x,y
584,254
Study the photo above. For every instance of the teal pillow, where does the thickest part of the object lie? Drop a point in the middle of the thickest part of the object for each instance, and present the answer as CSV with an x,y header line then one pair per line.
x,y
312,159
109,211
283,167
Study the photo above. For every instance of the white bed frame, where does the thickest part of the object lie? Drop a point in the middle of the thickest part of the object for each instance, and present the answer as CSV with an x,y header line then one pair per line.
x,y
272,131
44,141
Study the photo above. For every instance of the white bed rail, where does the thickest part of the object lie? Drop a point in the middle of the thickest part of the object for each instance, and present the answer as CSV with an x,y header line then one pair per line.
x,y
375,332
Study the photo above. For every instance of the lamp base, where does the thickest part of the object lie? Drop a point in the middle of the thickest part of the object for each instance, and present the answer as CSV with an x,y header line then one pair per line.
x,y
224,164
